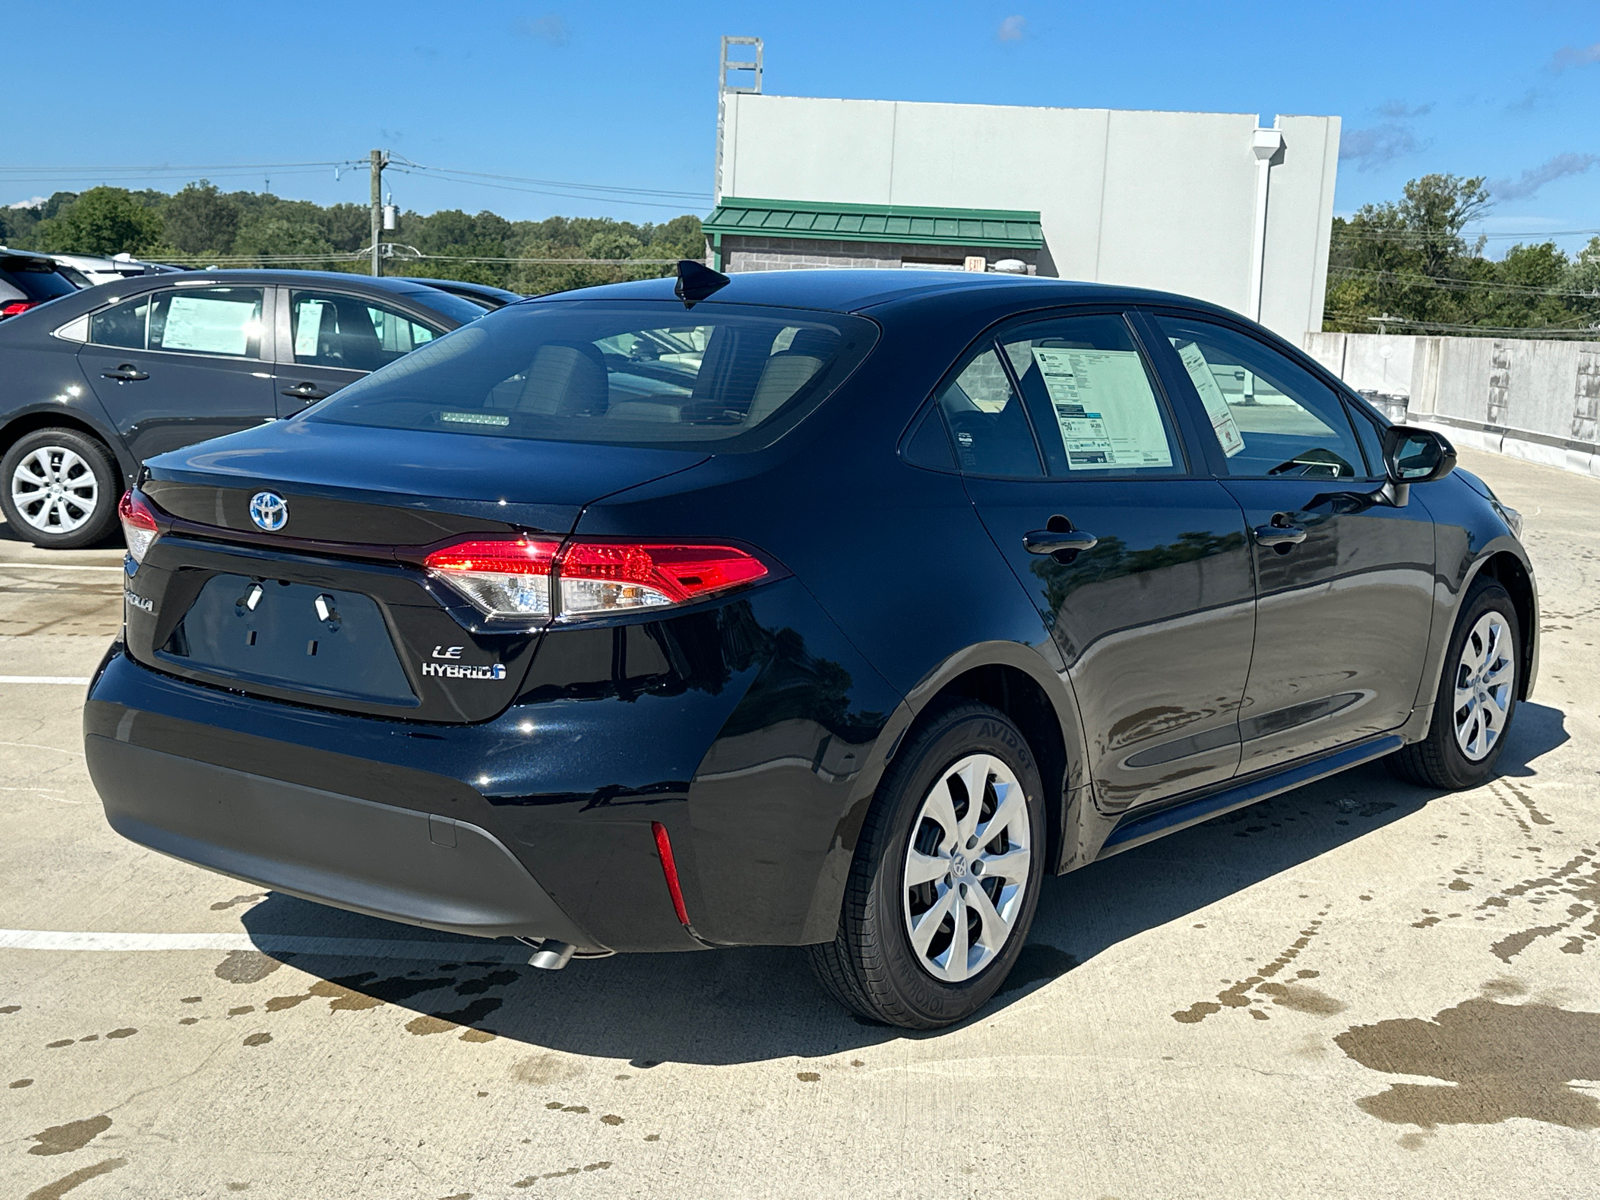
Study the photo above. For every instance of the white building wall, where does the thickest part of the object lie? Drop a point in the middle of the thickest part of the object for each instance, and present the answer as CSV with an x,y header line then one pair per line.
x,y
1148,199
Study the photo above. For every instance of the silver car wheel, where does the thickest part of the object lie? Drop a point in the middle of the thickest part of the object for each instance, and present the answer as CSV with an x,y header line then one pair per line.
x,y
54,489
1484,680
966,868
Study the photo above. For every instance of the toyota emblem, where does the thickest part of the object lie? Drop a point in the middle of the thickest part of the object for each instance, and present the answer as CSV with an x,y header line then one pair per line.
x,y
269,511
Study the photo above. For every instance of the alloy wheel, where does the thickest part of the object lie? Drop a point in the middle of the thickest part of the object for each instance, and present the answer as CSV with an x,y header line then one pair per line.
x,y
966,868
54,489
1484,679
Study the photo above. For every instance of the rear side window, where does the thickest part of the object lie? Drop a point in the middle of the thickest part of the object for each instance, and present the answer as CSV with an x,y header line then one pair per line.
x,y
1093,398
335,330
123,325
728,377
987,422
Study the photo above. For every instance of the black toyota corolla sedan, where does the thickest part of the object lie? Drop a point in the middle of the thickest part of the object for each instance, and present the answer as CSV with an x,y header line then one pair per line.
x,y
831,609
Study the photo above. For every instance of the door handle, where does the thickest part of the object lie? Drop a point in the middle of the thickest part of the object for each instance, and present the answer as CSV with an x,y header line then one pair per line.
x,y
1055,541
306,391
1279,537
126,373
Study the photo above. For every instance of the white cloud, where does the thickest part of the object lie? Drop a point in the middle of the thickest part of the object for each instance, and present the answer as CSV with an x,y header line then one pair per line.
x,y
1372,148
1574,56
551,28
1012,29
1399,109
36,202
1559,167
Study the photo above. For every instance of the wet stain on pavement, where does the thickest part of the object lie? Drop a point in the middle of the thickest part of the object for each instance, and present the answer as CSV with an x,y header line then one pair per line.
x,y
548,1068
1578,879
54,1191
1300,998
443,1022
807,1076
253,898
1237,995
530,1180
246,966
1498,1060
258,1039
19,1083
74,1135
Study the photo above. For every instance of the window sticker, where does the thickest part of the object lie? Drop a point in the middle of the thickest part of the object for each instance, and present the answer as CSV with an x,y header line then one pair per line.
x,y
1222,422
1108,415
308,328
208,325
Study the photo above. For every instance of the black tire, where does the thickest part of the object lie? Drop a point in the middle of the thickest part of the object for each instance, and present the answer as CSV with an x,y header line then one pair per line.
x,y
871,965
1438,760
96,460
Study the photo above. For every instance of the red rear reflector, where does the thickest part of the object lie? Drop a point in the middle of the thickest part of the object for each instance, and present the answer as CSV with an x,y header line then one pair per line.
x,y
670,869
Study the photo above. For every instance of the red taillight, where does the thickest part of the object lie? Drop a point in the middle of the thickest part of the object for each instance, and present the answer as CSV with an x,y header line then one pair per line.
x,y
17,306
669,868
601,577
138,523
586,579
502,579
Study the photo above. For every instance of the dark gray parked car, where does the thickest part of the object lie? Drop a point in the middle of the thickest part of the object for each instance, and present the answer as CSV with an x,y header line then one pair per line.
x,y
95,382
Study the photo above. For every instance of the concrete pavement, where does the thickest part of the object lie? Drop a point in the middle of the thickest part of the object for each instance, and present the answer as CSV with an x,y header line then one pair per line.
x,y
1356,989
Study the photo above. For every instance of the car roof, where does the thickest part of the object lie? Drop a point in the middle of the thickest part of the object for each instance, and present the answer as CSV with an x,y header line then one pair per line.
x,y
860,289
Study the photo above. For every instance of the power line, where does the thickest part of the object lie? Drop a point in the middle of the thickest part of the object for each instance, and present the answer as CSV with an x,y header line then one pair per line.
x,y
1537,332
1460,284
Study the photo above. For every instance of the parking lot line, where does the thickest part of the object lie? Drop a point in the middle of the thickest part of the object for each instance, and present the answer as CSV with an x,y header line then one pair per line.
x,y
329,947
32,566
73,680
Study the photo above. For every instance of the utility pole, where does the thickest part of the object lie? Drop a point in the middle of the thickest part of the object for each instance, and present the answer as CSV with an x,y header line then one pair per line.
x,y
379,161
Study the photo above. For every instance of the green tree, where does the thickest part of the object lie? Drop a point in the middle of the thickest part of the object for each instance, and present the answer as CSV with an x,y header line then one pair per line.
x,y
278,234
104,221
200,220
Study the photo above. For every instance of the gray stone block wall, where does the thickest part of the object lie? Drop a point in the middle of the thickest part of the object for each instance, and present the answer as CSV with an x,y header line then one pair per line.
x,y
785,254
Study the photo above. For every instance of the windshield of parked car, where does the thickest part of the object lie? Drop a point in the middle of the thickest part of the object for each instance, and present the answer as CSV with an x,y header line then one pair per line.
x,y
641,374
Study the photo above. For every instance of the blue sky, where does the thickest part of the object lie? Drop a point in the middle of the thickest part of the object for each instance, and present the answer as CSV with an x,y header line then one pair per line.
x,y
624,94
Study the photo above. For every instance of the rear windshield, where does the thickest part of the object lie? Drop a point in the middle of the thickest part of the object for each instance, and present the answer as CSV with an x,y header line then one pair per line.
x,y
35,278
447,304
718,377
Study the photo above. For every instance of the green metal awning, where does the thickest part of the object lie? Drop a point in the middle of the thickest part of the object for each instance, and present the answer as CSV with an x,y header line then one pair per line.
x,y
986,227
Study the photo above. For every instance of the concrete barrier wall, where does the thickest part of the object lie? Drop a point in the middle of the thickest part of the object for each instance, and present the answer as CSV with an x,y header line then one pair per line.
x,y
1538,400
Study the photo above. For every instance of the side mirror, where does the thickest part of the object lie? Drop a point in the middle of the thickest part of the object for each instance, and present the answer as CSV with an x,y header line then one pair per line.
x,y
1412,455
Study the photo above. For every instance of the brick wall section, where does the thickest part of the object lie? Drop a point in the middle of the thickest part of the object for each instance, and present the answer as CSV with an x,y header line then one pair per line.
x,y
783,254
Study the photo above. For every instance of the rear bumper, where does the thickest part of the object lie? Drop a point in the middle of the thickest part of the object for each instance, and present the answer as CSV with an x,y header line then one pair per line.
x,y
417,867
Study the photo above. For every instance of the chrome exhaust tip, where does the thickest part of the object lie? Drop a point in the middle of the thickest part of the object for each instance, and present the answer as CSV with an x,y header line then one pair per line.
x,y
552,955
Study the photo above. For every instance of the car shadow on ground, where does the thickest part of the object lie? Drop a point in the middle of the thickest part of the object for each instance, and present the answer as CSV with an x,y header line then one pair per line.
x,y
759,1003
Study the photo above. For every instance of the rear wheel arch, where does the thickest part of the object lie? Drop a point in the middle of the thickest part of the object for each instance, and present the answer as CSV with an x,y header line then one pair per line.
x,y
1037,701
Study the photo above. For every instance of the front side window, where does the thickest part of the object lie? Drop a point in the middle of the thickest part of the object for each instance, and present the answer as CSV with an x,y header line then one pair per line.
x,y
334,330
636,373
1270,415
1093,398
223,321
